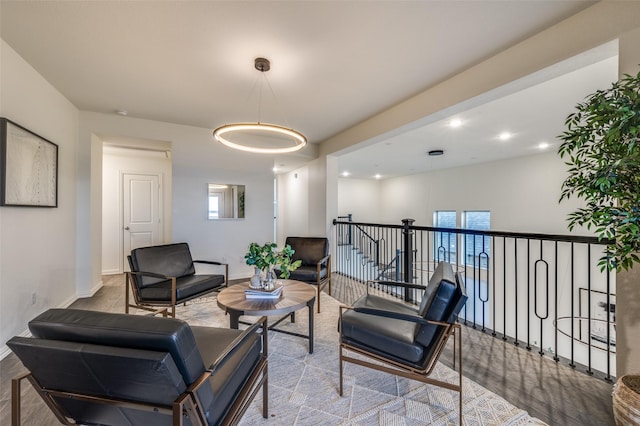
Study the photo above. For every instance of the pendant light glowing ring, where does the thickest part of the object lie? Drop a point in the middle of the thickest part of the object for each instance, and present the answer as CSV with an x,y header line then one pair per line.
x,y
298,138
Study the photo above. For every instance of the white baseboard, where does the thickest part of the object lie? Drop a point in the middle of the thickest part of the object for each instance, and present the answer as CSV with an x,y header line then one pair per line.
x,y
91,291
4,351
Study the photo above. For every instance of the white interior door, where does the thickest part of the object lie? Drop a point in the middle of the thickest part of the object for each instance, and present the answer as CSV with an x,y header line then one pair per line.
x,y
141,212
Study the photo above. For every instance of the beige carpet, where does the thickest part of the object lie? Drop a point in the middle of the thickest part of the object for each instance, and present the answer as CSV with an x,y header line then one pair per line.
x,y
303,387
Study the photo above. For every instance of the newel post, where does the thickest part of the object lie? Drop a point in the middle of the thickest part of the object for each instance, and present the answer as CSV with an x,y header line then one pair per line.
x,y
407,267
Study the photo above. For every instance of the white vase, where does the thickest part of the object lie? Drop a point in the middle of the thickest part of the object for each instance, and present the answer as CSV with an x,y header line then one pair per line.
x,y
256,279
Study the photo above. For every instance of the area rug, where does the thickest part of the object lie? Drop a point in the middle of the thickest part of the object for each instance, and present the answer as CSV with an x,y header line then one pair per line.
x,y
303,387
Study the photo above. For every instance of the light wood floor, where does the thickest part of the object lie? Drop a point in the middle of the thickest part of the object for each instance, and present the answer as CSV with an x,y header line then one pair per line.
x,y
552,392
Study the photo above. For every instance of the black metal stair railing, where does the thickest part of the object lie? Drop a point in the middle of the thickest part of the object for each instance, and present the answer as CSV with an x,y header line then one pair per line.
x,y
540,291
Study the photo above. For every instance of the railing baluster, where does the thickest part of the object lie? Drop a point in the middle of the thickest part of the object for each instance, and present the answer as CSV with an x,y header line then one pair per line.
x,y
535,291
529,294
608,310
573,338
515,264
555,305
589,371
504,289
495,301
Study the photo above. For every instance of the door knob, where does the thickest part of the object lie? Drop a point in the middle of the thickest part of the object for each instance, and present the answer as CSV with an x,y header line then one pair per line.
x,y
126,228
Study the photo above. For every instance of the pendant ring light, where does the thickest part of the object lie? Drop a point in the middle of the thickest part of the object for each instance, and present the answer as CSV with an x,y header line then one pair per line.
x,y
260,137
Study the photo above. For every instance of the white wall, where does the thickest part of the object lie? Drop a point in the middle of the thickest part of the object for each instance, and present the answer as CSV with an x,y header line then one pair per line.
x,y
522,194
293,204
224,240
37,245
116,161
196,161
359,197
302,202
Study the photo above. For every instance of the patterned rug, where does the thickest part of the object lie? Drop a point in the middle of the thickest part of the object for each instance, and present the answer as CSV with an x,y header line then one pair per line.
x,y
303,387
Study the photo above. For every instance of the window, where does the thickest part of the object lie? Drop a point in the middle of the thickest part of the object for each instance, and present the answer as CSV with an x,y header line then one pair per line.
x,y
477,248
214,206
445,243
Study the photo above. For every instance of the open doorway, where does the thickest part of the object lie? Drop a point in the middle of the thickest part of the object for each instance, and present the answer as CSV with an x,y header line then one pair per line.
x,y
136,198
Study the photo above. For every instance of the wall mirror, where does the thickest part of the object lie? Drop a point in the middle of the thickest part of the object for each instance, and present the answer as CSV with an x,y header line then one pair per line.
x,y
226,201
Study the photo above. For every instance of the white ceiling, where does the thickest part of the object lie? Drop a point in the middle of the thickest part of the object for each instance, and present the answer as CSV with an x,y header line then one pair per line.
x,y
333,65
533,115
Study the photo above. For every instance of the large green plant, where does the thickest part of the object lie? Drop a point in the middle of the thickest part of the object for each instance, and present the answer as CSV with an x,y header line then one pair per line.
x,y
267,256
602,149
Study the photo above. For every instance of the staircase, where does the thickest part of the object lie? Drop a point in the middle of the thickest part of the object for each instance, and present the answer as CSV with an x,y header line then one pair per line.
x,y
357,265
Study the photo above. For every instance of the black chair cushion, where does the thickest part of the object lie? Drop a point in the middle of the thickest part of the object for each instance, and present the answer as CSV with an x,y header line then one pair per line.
x,y
121,373
309,250
308,274
186,288
230,377
388,337
170,260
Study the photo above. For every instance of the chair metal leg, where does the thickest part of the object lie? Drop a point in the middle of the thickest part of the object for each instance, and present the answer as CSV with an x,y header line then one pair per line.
x,y
265,385
341,368
265,397
126,293
15,401
458,333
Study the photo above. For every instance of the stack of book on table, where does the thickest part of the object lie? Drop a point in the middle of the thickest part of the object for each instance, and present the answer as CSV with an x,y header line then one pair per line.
x,y
251,293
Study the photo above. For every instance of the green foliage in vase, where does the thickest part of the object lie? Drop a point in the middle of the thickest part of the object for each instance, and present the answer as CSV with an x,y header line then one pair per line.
x,y
267,257
602,149
284,261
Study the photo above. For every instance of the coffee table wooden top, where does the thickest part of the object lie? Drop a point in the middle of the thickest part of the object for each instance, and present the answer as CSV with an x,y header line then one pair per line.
x,y
295,295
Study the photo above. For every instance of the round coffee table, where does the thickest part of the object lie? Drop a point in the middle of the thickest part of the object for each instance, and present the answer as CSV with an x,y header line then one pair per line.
x,y
295,295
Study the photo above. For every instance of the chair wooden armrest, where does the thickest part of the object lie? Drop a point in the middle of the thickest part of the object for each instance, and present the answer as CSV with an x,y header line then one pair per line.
x,y
211,262
324,259
150,274
394,315
391,283
216,263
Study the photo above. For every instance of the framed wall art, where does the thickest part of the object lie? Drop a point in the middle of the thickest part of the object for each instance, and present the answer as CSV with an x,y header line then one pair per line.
x,y
29,167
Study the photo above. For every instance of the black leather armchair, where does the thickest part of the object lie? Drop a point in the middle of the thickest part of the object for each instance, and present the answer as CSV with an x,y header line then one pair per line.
x,y
98,368
315,269
401,339
165,275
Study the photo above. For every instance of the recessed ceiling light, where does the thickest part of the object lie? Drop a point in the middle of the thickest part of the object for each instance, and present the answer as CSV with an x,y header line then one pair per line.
x,y
505,136
455,122
122,112
345,174
543,145
435,152
378,176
